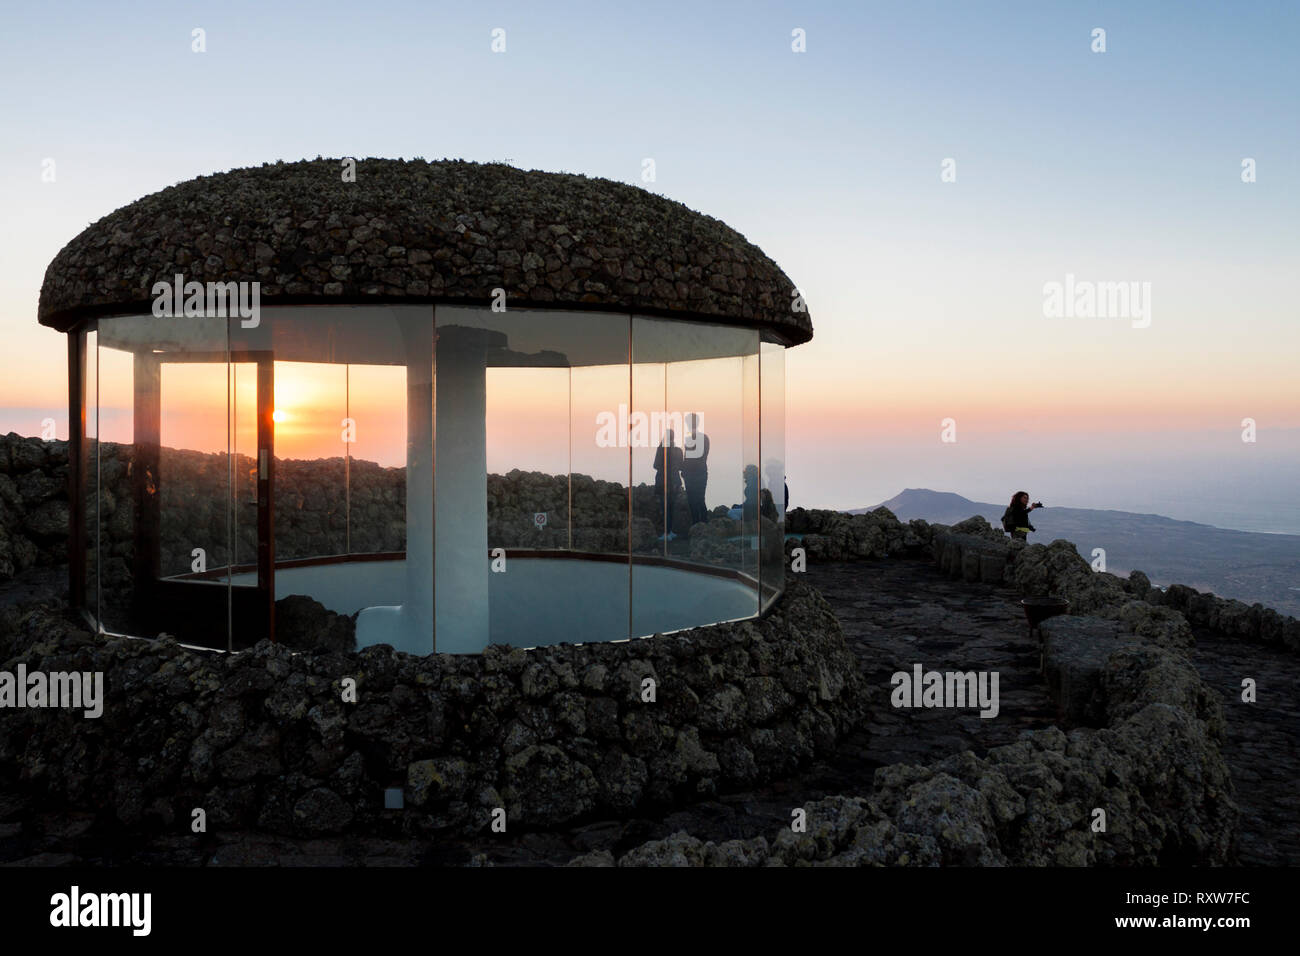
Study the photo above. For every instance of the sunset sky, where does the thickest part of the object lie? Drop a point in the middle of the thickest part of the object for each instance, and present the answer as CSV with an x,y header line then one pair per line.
x,y
926,296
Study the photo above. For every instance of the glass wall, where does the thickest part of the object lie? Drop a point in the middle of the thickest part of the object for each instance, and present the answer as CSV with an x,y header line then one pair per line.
x,y
227,487
243,464
773,502
753,506
532,472
333,424
164,482
90,470
112,467
193,465
311,487
591,476
373,430
694,444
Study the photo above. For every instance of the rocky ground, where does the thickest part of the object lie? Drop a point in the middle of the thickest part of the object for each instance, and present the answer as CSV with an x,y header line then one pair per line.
x,y
1262,751
895,613
899,613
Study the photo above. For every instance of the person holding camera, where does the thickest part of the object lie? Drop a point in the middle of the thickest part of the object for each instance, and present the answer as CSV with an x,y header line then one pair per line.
x,y
1015,520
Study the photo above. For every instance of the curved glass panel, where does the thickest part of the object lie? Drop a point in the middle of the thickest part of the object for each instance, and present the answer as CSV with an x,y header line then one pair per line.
x,y
373,429
89,475
590,476
334,435
773,503
164,477
694,437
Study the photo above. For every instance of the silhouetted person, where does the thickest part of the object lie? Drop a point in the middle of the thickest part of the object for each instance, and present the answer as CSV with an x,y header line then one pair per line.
x,y
749,506
695,468
1015,520
775,473
668,480
767,506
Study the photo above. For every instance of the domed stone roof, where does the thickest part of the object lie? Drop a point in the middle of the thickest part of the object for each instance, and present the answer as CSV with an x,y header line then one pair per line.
x,y
416,231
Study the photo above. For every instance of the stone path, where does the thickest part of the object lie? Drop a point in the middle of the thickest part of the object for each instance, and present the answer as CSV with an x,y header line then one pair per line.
x,y
896,614
1263,750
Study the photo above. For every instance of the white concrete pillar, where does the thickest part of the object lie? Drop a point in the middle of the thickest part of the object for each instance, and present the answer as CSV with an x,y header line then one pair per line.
x,y
409,626
461,570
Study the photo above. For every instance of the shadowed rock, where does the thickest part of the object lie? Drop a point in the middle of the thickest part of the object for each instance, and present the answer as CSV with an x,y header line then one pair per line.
x,y
305,624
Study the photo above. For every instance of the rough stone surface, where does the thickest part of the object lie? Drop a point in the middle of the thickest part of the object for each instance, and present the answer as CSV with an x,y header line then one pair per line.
x,y
303,623
1230,618
972,551
1145,749
839,536
1263,741
33,504
1149,748
1075,655
416,231
551,735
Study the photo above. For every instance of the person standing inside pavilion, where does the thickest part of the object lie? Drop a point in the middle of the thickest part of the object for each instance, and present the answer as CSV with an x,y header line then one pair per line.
x,y
668,480
695,468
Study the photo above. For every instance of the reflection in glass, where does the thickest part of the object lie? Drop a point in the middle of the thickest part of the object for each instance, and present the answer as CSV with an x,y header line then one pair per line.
x,y
243,465
311,487
599,460
755,505
695,403
373,431
115,504
193,471
333,405
174,473
651,518
772,444
598,476
88,478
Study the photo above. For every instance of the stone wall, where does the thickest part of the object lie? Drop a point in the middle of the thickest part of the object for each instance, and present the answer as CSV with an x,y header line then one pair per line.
x,y
1139,738
33,504
264,738
974,551
839,536
1252,622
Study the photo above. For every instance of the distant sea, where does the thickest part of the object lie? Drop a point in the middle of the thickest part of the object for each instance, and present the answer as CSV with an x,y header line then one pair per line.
x,y
1265,510
1261,516
1212,479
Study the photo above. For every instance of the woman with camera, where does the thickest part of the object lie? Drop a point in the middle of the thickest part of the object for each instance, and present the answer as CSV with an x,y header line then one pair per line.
x,y
1015,520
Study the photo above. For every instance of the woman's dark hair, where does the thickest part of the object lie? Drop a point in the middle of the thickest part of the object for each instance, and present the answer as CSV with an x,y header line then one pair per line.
x,y
1016,497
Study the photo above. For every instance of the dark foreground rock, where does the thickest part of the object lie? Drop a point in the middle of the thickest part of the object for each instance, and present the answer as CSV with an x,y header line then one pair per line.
x,y
1157,776
1135,776
272,739
839,536
304,624
892,612
1139,736
1263,741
